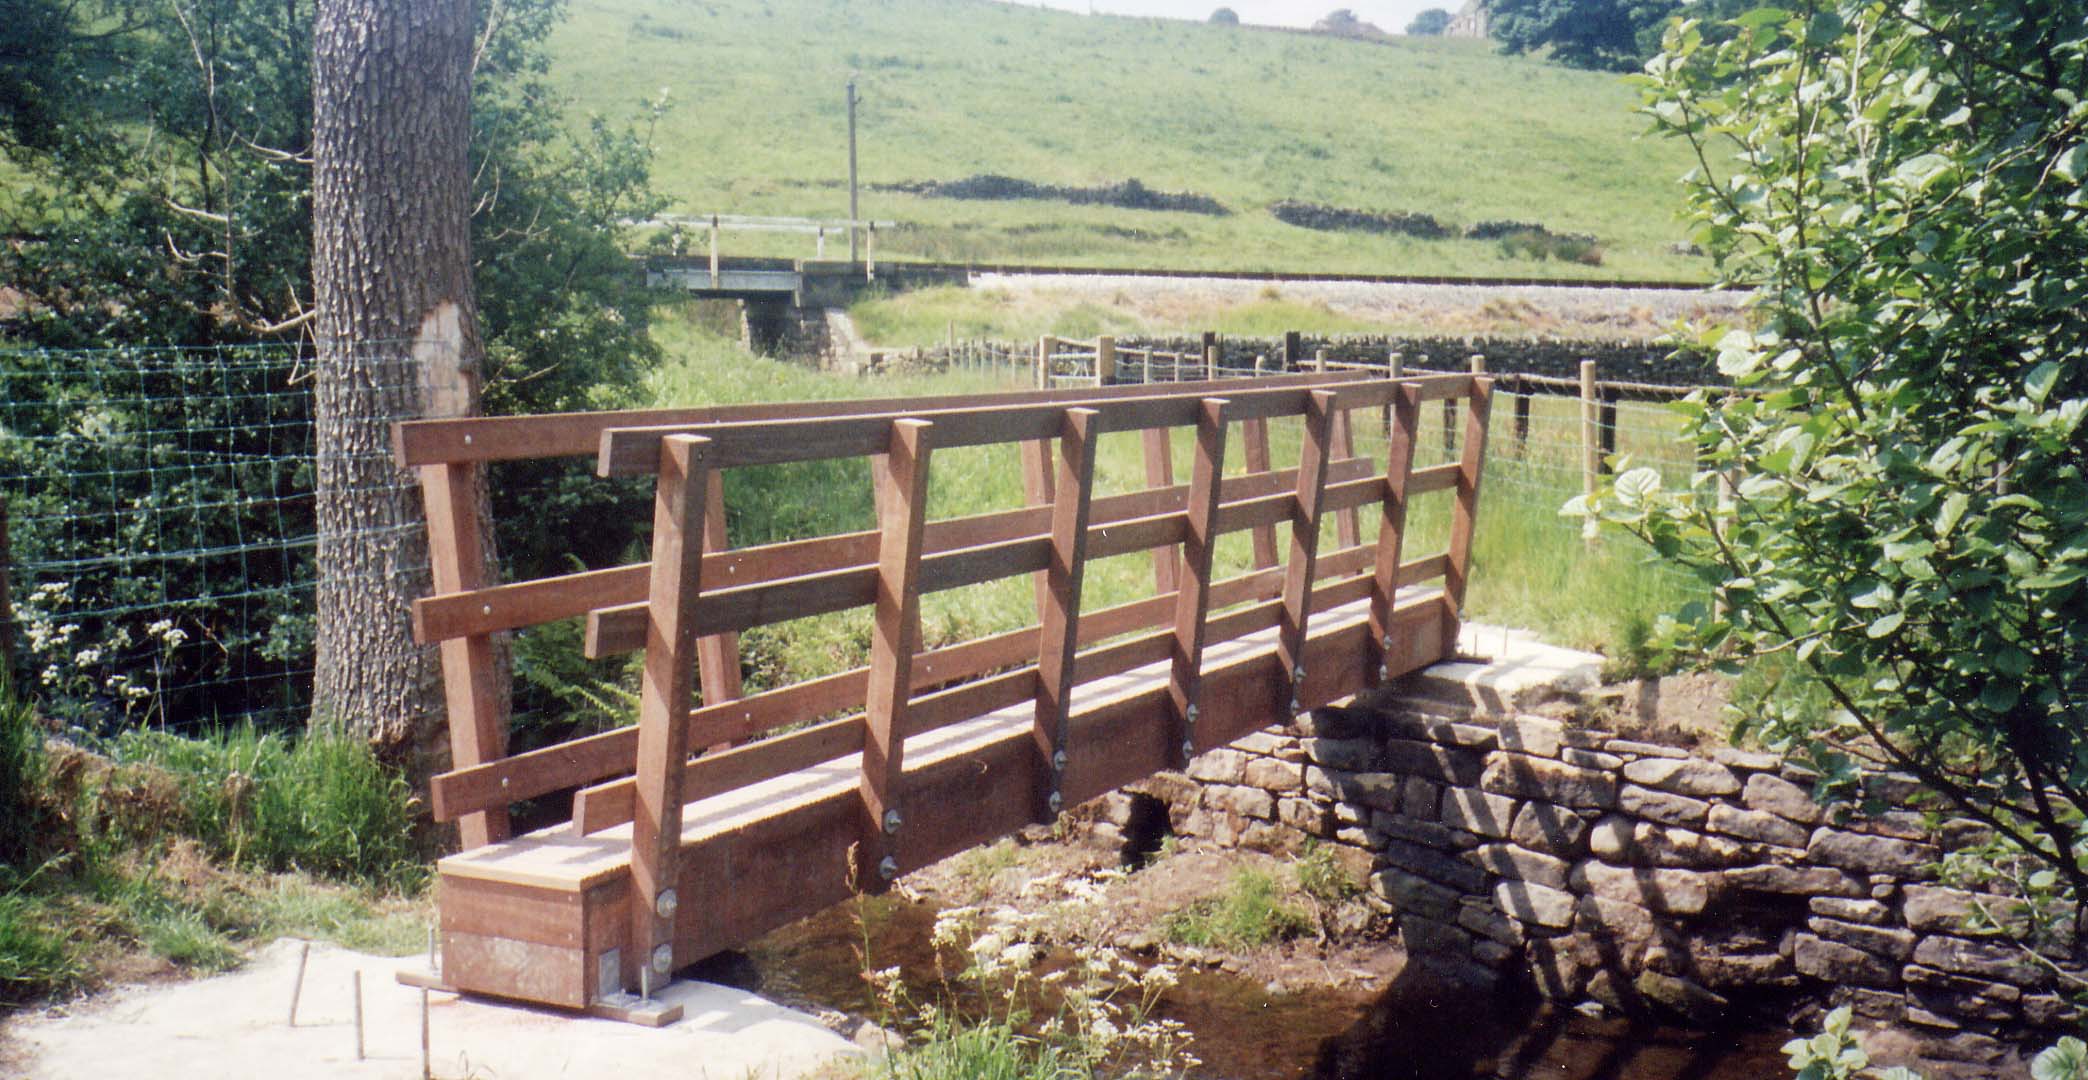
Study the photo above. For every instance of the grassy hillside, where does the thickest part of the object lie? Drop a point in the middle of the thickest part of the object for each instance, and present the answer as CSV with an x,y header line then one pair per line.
x,y
952,88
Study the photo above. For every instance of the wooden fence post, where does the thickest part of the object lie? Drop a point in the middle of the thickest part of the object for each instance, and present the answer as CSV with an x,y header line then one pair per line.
x,y
1520,387
870,253
1303,566
1211,354
1395,368
1159,473
1293,350
471,692
1403,437
1255,432
717,656
1046,345
1464,516
1591,454
1607,424
1105,361
714,251
666,692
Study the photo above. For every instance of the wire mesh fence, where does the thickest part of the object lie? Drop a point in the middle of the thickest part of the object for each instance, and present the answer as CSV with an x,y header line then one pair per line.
x,y
163,530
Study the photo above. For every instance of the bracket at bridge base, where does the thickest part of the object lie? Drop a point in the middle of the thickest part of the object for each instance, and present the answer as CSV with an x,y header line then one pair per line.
x,y
628,1008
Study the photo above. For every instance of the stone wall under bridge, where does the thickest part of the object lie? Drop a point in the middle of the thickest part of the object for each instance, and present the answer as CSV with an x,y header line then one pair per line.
x,y
1704,886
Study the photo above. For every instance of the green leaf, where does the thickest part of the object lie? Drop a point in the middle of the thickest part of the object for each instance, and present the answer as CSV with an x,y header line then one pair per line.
x,y
1954,506
2072,163
1919,172
1999,695
1884,626
2041,380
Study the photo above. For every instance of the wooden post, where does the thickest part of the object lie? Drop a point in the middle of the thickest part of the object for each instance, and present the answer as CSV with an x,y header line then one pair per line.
x,y
1059,637
870,252
471,690
1319,360
1293,350
1037,491
1193,601
1348,526
714,251
1046,346
1145,367
1159,473
665,695
717,656
1395,369
1591,454
1399,468
1470,467
1303,567
1522,390
1211,354
894,640
1105,361
1254,431
1606,424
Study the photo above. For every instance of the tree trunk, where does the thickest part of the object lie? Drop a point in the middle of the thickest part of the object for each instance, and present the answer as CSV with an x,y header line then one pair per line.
x,y
398,339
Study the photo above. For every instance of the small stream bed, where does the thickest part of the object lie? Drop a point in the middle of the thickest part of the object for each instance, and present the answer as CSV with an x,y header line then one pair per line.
x,y
1419,1027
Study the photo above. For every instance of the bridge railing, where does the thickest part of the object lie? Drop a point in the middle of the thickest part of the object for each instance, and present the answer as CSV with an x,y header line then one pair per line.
x,y
684,606
718,224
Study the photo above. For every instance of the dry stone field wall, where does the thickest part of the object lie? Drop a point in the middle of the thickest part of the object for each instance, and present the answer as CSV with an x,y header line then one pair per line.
x,y
1650,879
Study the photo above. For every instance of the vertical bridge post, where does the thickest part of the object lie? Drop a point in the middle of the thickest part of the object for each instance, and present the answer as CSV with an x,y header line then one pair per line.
x,y
1303,566
471,688
1478,410
1193,600
1392,527
1059,638
674,583
896,637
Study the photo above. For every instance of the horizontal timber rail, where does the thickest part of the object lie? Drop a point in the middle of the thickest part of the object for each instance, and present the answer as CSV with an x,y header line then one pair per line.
x,y
719,815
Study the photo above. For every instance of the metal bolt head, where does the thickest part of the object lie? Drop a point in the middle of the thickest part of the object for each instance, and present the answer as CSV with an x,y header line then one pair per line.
x,y
1298,673
666,903
888,868
892,821
663,958
1057,802
1388,641
1058,760
1190,713
1188,749
1294,705
1384,671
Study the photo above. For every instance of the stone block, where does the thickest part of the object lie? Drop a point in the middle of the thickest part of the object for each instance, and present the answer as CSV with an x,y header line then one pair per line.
x,y
1334,722
1960,833
1619,839
1527,777
1870,854
1271,743
1539,736
1757,825
1632,748
1683,776
1270,774
1304,815
1411,892
1935,909
1794,881
1269,836
1590,759
1378,790
1898,824
1241,801
2048,1010
1421,798
1220,766
1555,830
1521,864
1775,795
1478,811
1867,912
1614,932
1881,1005
1555,969
1673,892
1486,920
1747,971
1663,807
1447,764
1434,865
1611,838
1837,963
1469,736
1538,904
1993,960
1958,997
1426,833
1886,941
1426,937
1747,760
1366,838
1349,755
1493,954
1682,997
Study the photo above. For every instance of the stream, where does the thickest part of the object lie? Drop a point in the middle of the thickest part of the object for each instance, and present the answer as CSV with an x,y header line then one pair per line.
x,y
1417,1028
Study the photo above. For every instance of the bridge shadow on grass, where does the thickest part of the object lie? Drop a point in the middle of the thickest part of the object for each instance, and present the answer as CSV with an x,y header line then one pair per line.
x,y
1440,1023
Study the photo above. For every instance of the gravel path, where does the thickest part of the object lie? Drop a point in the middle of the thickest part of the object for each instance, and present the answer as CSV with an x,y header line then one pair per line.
x,y
1576,311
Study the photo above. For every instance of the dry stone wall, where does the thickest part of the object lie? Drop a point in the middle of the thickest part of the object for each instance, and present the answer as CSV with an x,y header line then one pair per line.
x,y
1647,878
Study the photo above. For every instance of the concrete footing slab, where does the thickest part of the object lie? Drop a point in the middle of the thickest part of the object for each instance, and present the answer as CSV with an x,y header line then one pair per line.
x,y
1504,670
236,1026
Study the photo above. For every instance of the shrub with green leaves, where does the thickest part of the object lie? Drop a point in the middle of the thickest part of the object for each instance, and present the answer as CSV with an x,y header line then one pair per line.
x,y
1905,188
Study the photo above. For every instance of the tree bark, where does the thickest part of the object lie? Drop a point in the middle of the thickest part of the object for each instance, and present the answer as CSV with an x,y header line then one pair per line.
x,y
398,339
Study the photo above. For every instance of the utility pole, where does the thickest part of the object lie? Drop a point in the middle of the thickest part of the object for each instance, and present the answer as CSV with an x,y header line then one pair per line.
x,y
853,216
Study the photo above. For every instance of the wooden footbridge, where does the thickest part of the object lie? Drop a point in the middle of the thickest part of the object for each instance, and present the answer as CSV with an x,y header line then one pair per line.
x,y
706,825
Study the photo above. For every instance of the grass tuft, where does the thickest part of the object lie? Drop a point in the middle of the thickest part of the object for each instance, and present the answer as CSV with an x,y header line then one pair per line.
x,y
1250,912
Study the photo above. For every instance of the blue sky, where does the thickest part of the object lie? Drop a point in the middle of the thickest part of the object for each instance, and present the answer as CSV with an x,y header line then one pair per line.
x,y
1392,15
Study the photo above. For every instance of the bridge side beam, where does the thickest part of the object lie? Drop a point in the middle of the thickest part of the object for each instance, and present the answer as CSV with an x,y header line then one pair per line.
x,y
1193,600
1159,473
1254,433
902,474
1059,636
680,500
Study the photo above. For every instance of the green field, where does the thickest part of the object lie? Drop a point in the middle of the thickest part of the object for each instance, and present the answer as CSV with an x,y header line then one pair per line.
x,y
953,88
